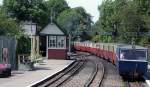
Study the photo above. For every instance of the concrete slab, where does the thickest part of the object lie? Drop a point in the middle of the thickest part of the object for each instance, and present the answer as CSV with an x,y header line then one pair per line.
x,y
41,72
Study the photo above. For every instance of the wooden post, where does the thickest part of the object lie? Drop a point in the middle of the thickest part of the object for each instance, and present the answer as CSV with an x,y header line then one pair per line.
x,y
37,44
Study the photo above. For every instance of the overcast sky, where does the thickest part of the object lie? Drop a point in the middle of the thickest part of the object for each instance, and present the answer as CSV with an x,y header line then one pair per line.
x,y
91,6
1,2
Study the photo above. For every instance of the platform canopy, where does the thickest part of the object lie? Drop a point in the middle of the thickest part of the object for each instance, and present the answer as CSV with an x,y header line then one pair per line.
x,y
51,29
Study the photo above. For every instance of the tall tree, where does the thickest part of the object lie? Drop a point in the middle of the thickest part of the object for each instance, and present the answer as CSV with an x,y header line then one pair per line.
x,y
56,6
75,21
125,19
26,10
38,11
9,27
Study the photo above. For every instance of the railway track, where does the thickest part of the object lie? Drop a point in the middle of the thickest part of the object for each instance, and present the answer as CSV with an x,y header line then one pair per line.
x,y
90,76
97,76
88,71
111,77
66,76
104,74
60,78
134,84
137,83
79,79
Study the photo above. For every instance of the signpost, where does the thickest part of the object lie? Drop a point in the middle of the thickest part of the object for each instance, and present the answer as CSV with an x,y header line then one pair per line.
x,y
69,43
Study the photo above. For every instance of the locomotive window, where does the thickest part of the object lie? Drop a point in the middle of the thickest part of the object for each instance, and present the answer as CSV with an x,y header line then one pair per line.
x,y
133,54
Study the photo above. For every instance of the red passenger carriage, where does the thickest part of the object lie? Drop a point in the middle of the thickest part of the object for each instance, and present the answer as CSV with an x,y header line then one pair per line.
x,y
129,61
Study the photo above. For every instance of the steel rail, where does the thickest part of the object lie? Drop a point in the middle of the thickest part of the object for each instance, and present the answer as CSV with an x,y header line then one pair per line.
x,y
127,84
90,80
95,71
59,75
66,76
133,84
103,73
138,84
70,75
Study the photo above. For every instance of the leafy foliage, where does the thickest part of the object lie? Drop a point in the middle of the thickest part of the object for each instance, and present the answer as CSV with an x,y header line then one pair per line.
x,y
125,19
25,10
8,27
24,45
57,6
76,21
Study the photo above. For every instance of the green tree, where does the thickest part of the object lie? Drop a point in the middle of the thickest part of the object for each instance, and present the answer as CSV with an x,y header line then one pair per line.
x,y
24,45
25,10
9,27
56,6
75,21
39,11
125,19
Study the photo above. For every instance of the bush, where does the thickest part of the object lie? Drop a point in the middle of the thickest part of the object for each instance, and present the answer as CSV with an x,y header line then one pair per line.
x,y
24,45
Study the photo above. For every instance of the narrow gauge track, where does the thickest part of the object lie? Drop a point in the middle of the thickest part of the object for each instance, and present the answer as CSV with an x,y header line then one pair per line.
x,y
94,77
63,76
134,84
104,74
97,76
89,72
111,77
79,79
66,76
138,83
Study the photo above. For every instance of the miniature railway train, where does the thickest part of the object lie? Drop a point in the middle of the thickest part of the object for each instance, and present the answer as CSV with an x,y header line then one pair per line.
x,y
129,60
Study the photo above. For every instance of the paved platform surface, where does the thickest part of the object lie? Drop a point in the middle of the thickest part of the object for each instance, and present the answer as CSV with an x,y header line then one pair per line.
x,y
28,78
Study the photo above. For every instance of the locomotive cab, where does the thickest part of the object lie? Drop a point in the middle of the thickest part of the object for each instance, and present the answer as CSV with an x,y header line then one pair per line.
x,y
132,62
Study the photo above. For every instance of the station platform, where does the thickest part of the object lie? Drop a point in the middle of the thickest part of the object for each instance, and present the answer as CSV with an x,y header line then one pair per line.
x,y
41,72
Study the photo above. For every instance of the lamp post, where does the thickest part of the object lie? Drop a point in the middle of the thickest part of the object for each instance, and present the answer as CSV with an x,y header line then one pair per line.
x,y
69,25
69,43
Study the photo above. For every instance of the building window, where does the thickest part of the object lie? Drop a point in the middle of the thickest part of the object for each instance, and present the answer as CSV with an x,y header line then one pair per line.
x,y
56,42
60,41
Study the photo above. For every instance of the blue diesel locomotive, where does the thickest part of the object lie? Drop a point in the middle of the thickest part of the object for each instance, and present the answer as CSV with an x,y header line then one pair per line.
x,y
132,60
129,60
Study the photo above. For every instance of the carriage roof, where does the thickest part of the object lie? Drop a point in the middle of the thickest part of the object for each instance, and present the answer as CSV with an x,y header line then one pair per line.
x,y
131,47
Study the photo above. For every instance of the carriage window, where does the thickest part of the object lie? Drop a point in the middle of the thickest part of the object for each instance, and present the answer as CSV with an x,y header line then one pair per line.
x,y
133,54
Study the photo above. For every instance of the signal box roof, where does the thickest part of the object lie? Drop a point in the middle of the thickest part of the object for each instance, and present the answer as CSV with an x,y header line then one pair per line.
x,y
52,29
